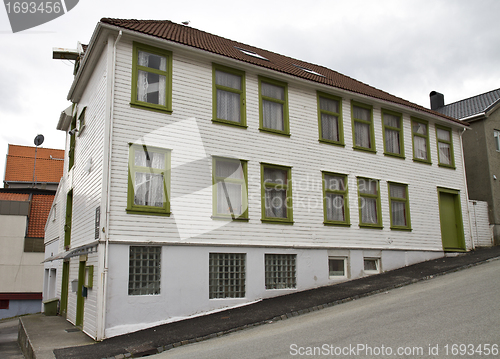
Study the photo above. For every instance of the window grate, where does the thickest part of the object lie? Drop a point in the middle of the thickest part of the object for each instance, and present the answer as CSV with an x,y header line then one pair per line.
x,y
144,270
227,275
280,271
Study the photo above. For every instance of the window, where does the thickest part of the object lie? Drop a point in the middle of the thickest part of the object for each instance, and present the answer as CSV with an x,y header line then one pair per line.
x,y
151,78
230,193
308,70
273,106
362,127
35,245
335,199
399,206
72,143
276,194
229,96
4,303
445,147
369,203
280,271
227,275
149,180
371,265
393,134
144,270
420,131
496,136
330,119
81,120
69,215
337,267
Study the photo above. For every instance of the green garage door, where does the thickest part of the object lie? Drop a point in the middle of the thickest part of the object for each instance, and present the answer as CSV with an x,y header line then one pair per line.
x,y
450,215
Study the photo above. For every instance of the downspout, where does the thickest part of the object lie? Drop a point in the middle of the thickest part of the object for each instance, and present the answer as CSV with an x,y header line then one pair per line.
x,y
107,189
466,189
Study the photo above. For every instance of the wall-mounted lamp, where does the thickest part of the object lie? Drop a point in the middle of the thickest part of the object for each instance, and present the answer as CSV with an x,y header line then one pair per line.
x,y
73,131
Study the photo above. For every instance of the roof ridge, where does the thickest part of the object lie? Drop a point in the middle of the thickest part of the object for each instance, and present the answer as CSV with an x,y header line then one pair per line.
x,y
471,97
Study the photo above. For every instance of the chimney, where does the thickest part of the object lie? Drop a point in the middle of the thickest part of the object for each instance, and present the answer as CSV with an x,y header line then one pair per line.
x,y
437,100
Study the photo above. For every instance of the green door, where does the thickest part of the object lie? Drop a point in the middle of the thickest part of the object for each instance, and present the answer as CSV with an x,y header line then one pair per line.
x,y
79,297
450,216
64,288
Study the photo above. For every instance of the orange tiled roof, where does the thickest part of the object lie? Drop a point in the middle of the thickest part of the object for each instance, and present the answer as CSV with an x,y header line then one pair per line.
x,y
189,36
21,160
14,196
39,212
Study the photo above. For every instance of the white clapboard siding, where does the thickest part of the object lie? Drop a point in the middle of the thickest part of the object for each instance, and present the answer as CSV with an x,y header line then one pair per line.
x,y
481,232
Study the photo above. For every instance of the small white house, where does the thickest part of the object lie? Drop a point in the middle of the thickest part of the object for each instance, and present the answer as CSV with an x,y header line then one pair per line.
x,y
202,173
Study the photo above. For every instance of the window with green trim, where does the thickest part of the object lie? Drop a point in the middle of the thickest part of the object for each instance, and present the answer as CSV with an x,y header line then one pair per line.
x,y
420,133
68,220
362,127
335,199
273,106
330,119
370,213
276,193
230,193
229,96
393,133
149,180
445,146
399,205
81,120
72,143
151,78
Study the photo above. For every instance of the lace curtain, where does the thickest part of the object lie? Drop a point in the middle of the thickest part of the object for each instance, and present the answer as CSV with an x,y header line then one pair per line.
x,y
392,136
329,122
419,142
275,198
362,130
148,188
229,195
444,148
272,112
228,103
151,87
398,208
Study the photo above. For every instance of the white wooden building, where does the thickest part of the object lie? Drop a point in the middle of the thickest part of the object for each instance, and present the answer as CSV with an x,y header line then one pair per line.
x,y
202,174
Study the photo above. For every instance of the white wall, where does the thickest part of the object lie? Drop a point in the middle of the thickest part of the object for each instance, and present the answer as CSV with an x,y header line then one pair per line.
x,y
481,232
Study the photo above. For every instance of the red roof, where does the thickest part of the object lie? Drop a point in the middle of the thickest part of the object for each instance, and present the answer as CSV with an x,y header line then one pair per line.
x,y
14,196
189,36
39,212
21,160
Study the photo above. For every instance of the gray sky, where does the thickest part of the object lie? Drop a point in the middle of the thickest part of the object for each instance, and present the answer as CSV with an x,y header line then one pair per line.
x,y
405,47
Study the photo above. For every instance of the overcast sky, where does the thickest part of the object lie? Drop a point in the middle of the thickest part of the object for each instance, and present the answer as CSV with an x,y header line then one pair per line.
x,y
405,47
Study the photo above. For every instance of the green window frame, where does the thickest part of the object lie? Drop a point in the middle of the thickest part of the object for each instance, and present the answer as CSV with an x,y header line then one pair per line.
x,y
444,139
81,121
152,67
228,93
276,186
392,123
68,221
273,106
149,180
370,211
89,277
420,137
330,119
335,199
230,188
399,206
72,143
362,127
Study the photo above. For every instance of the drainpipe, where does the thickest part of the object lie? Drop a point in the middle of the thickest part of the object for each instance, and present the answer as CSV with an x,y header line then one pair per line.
x,y
466,189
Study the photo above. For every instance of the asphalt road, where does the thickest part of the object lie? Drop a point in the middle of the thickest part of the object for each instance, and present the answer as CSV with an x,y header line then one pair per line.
x,y
456,315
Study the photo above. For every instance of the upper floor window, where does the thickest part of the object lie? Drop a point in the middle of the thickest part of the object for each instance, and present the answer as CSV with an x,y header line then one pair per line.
x,y
362,127
276,193
230,188
330,119
151,78
399,205
420,132
229,96
393,133
445,146
370,213
273,106
149,179
496,136
335,199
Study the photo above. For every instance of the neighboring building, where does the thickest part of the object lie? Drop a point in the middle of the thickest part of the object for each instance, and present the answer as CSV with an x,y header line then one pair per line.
x,y
481,147
25,203
202,173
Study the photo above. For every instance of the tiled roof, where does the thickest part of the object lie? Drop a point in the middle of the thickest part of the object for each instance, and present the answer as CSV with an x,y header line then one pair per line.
x,y
21,160
14,196
39,212
218,45
471,106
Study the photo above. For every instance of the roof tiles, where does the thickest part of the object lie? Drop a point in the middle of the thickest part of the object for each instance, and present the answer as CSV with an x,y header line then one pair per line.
x,y
471,106
39,212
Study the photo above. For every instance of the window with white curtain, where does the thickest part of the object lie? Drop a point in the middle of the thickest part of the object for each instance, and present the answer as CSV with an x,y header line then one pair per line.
x,y
148,180
393,133
151,77
330,119
399,206
420,130
230,188
229,95
335,199
276,193
273,106
445,146
362,120
369,203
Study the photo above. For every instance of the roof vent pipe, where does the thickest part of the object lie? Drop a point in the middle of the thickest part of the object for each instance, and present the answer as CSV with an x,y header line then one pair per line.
x,y
437,100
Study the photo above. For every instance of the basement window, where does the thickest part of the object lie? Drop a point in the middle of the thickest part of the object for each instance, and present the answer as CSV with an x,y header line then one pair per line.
x,y
337,267
371,265
251,53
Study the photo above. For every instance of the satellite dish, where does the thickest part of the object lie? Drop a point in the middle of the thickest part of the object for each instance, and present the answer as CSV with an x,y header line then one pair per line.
x,y
39,140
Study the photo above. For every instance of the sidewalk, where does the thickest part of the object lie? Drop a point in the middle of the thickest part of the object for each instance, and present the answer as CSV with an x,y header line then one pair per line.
x,y
51,333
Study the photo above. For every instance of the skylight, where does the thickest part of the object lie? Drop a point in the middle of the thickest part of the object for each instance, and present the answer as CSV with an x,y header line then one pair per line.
x,y
308,70
251,53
